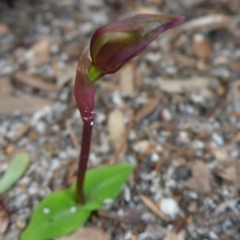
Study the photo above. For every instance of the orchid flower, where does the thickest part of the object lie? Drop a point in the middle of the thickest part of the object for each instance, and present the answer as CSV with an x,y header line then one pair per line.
x,y
111,47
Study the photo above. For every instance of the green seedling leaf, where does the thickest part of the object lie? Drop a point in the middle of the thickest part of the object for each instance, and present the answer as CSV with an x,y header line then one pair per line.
x,y
59,213
14,172
106,182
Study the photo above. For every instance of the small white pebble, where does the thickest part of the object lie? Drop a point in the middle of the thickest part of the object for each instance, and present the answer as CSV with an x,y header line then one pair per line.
x,y
183,137
198,37
196,98
120,212
116,98
29,54
169,207
54,48
167,114
218,138
193,195
213,235
154,157
143,236
198,145
128,235
132,135
100,117
127,194
46,210
40,127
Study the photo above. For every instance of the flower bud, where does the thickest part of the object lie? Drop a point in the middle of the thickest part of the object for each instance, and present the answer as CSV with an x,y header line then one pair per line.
x,y
114,44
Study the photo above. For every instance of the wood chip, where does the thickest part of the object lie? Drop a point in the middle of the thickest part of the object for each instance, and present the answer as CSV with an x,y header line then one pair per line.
x,y
158,2
146,109
5,87
146,10
221,154
153,207
175,236
229,173
4,216
4,29
64,74
142,146
126,81
117,132
200,182
4,221
22,131
20,224
210,22
9,149
183,85
25,104
192,3
236,138
201,46
40,52
88,233
35,82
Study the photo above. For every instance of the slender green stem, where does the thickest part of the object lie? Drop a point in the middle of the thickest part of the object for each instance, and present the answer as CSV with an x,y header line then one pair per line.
x,y
83,159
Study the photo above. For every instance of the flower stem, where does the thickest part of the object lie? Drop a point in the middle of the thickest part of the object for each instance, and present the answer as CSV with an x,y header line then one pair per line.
x,y
83,159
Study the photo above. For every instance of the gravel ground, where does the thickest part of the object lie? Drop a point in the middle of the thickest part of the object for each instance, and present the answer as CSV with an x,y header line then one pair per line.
x,y
173,113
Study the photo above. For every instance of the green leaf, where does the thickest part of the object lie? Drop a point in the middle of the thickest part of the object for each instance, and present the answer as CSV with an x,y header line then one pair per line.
x,y
106,182
59,214
15,170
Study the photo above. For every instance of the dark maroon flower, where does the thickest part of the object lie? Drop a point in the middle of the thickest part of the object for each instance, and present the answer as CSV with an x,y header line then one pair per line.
x,y
114,44
110,48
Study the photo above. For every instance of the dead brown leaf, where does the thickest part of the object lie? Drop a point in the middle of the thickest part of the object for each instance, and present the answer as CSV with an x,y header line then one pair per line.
x,y
201,46
40,52
35,82
200,182
158,2
228,170
236,138
24,103
88,233
175,236
4,221
153,207
146,10
146,109
117,132
5,87
3,29
4,216
142,146
65,75
126,81
183,85
210,22
229,174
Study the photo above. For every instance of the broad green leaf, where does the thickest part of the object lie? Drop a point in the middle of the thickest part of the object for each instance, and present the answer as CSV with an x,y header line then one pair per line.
x,y
15,170
59,214
106,182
